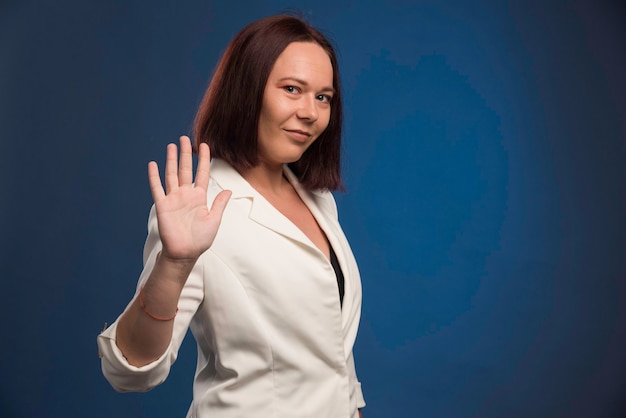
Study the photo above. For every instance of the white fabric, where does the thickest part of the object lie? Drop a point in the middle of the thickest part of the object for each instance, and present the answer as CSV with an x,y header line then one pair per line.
x,y
263,306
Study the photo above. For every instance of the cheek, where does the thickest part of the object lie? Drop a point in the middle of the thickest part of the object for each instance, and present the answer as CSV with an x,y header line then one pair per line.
x,y
324,119
274,114
266,119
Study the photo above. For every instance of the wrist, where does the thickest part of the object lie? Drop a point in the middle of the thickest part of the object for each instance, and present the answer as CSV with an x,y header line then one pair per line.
x,y
173,270
176,262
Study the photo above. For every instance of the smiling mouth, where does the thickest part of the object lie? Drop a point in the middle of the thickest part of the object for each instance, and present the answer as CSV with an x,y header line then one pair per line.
x,y
299,134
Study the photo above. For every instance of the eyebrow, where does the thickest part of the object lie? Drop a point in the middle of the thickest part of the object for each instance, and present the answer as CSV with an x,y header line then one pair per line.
x,y
304,83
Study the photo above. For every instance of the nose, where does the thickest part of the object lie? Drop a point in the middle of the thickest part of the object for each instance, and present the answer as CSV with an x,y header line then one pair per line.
x,y
308,108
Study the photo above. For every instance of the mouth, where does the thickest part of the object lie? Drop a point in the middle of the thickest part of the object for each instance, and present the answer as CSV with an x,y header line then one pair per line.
x,y
298,134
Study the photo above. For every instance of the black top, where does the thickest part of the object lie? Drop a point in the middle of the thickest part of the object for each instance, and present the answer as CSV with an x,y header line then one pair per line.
x,y
340,280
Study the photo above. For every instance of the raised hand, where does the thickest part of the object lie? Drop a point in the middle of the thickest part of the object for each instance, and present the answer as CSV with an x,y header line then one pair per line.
x,y
186,225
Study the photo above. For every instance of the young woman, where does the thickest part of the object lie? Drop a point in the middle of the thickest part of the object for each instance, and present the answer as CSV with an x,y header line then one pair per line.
x,y
265,278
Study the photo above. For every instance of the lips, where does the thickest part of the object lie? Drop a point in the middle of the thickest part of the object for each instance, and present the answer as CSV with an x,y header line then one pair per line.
x,y
299,134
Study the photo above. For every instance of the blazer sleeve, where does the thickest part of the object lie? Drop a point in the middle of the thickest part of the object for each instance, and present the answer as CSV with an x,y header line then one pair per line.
x,y
125,377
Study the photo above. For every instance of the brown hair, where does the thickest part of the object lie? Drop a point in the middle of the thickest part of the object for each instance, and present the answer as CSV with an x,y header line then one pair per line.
x,y
228,116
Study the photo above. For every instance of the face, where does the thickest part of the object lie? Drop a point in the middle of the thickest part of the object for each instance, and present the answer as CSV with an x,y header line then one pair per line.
x,y
296,103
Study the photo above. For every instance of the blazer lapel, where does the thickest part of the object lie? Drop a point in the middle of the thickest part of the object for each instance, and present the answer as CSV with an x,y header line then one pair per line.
x,y
315,201
261,211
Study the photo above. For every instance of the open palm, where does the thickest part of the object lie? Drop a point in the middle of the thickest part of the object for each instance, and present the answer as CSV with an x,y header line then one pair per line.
x,y
186,225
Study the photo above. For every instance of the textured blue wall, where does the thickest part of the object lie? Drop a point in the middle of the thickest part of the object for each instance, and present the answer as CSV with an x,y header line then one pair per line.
x,y
485,155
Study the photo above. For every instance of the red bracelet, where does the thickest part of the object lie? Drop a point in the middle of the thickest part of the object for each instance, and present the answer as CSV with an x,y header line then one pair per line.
x,y
151,315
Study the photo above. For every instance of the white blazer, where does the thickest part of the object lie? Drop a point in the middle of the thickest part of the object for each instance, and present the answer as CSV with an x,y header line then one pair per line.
x,y
263,306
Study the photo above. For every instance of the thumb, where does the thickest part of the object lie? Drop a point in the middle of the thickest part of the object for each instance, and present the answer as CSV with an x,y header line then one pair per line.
x,y
219,204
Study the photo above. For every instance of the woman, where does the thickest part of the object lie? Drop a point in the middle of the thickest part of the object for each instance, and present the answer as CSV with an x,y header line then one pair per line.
x,y
265,278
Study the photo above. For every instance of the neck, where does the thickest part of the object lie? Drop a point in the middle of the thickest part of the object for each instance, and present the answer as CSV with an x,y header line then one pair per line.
x,y
268,178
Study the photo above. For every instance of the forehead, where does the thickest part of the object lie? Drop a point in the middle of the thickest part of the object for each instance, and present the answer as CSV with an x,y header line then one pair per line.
x,y
307,61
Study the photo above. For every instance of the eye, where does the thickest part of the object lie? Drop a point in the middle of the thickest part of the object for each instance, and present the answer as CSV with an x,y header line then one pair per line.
x,y
324,98
292,89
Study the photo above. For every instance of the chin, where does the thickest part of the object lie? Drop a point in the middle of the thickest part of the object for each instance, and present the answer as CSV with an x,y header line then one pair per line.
x,y
292,157
287,154
293,160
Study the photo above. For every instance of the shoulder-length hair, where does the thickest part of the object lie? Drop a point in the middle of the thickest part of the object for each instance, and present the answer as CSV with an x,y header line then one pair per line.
x,y
228,116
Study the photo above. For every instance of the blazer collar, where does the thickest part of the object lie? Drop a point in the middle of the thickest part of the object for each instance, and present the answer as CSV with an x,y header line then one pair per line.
x,y
261,210
229,179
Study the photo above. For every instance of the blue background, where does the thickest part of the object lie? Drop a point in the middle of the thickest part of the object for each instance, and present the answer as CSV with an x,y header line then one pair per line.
x,y
484,158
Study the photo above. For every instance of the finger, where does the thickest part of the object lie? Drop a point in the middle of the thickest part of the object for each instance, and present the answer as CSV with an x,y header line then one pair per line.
x,y
154,179
171,168
203,171
219,204
185,166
